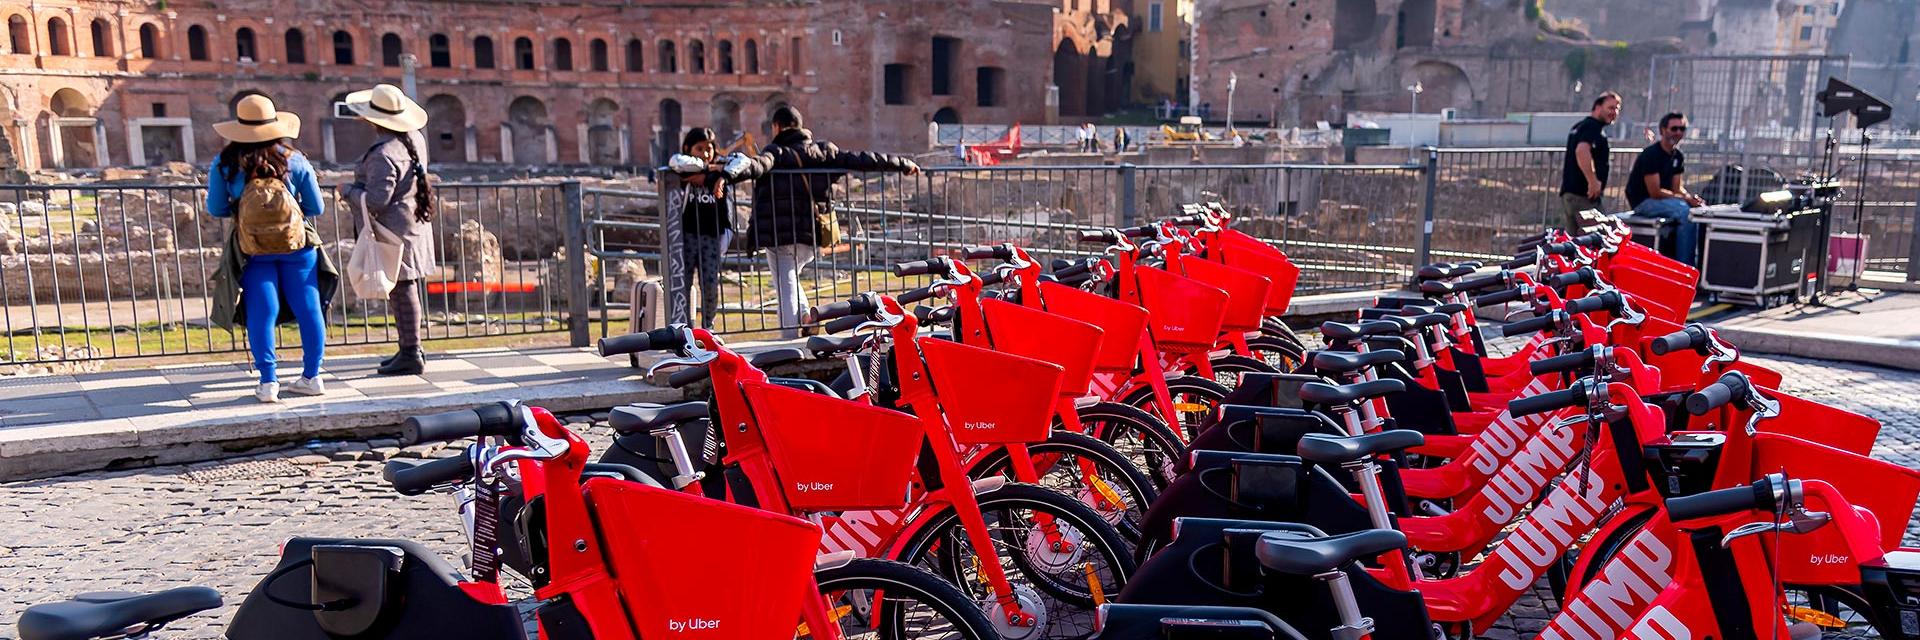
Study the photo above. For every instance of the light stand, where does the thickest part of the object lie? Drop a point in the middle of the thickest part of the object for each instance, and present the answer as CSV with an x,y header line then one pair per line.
x,y
1839,97
1865,116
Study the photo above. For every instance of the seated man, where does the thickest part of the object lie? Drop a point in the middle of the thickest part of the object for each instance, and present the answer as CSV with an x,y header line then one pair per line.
x,y
1655,190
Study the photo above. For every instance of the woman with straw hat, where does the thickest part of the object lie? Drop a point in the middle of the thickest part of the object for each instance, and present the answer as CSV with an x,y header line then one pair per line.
x,y
390,187
270,190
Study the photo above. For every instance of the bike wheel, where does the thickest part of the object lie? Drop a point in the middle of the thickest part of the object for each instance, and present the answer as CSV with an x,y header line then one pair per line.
x,y
1227,369
1059,587
1123,492
912,603
1854,615
1194,398
1279,354
1142,438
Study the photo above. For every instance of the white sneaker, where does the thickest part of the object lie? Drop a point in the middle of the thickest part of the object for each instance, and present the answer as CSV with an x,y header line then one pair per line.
x,y
307,387
267,392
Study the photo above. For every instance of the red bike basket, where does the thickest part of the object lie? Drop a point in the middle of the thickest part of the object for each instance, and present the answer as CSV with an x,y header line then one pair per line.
x,y
833,454
1048,337
1183,314
1249,253
674,553
1246,292
1120,322
991,397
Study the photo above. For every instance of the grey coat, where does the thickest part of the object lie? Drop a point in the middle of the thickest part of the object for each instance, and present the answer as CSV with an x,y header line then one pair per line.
x,y
385,177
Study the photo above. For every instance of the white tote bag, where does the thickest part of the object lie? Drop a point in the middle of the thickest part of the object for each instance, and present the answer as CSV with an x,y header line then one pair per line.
x,y
375,262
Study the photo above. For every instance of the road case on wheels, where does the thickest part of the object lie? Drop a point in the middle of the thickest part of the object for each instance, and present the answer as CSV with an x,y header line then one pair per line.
x,y
1758,259
1656,233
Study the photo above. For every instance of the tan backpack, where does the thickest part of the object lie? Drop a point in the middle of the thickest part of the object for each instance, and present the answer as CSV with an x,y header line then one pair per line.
x,y
270,221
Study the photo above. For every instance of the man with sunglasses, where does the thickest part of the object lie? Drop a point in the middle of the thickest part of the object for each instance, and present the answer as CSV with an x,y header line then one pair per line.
x,y
1655,189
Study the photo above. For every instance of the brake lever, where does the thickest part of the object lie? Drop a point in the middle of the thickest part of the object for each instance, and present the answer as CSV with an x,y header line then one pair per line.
x,y
1718,351
691,355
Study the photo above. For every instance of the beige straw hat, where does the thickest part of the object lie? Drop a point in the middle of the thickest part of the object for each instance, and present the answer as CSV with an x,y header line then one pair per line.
x,y
387,106
256,120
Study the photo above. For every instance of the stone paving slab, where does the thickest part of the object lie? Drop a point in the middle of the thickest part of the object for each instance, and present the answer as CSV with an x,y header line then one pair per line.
x,y
1882,329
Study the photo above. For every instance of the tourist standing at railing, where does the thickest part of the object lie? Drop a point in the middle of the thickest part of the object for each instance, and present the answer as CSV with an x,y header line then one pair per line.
x,y
390,185
1656,190
1583,176
706,220
793,212
272,270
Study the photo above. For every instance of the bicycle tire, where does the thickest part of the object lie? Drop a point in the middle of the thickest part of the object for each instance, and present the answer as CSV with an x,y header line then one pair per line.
x,y
902,582
928,545
1207,392
1234,363
1279,354
1138,490
1828,599
1277,328
1161,451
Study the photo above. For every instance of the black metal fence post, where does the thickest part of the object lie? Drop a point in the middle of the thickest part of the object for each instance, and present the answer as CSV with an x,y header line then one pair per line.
x,y
1432,170
1913,245
574,232
1129,197
673,258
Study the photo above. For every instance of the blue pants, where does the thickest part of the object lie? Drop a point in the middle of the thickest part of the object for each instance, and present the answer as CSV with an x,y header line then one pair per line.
x,y
1686,235
295,278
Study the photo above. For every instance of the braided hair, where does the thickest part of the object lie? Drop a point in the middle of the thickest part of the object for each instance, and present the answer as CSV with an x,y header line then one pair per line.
x,y
423,189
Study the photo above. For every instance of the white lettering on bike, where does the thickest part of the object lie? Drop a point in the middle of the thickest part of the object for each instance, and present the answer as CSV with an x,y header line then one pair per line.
x,y
1549,530
1660,624
1546,453
1505,435
1606,606
1829,558
979,426
692,624
809,487
858,531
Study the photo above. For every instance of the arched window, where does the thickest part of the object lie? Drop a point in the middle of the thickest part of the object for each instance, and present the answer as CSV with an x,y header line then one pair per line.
x,y
342,47
726,56
18,35
196,42
296,45
102,38
439,51
753,57
696,57
522,53
636,56
666,59
57,41
597,55
482,52
390,50
244,47
149,41
562,54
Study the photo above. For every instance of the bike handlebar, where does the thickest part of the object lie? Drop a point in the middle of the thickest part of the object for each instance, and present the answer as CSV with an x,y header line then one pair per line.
x,y
845,324
1577,360
861,305
1482,283
933,315
999,252
447,426
1692,337
1072,269
1500,297
688,376
1758,495
1189,221
1564,249
1609,301
1530,325
915,268
1549,401
1099,235
1142,231
1731,387
994,278
1582,276
1518,262
662,339
915,295
1591,241
412,479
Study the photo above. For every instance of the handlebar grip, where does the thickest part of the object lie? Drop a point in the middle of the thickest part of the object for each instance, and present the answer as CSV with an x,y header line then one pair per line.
x,y
857,306
1759,495
1530,325
1609,301
1583,275
447,426
933,315
1690,337
1189,221
1481,283
994,278
1591,240
1142,231
688,376
1566,249
1071,269
1518,262
1562,363
1500,297
661,339
915,295
915,268
1548,401
1731,386
1098,235
414,479
997,252
845,324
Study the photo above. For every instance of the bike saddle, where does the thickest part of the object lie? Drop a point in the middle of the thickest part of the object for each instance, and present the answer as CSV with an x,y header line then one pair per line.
x,y
1448,309
635,418
1331,450
772,357
1179,622
1334,395
1409,323
1436,287
1344,331
1349,362
1294,554
833,345
109,614
1435,271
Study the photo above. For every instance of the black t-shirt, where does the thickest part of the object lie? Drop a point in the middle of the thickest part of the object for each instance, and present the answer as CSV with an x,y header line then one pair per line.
x,y
1593,132
704,214
1653,161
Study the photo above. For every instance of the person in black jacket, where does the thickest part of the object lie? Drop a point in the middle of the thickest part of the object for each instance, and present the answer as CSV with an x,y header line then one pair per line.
x,y
792,207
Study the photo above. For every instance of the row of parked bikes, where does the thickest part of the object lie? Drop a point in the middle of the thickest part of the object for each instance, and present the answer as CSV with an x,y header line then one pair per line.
x,y
1133,446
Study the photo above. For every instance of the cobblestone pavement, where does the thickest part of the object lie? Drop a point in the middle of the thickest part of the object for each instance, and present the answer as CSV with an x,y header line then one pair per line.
x,y
221,524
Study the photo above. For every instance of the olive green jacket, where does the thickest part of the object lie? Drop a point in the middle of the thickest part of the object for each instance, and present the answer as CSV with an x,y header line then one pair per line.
x,y
228,309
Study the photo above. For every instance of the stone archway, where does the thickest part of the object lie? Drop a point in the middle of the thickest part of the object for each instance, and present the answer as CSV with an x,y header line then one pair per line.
x,y
532,130
72,131
603,132
1070,76
667,122
1443,85
946,116
9,156
446,128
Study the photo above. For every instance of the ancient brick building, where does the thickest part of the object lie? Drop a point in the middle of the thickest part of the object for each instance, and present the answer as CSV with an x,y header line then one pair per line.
x,y
130,82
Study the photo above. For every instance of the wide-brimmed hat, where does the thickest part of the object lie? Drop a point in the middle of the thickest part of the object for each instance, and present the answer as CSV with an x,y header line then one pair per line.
x,y
255,119
387,106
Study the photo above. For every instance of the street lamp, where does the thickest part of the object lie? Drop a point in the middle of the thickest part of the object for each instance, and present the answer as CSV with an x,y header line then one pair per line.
x,y
1416,89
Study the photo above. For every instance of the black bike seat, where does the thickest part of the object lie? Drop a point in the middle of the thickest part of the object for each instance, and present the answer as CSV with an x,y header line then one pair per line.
x,y
1292,554
1470,265
1448,308
1436,287
635,418
1326,449
1405,324
1348,361
1328,394
110,613
771,357
1169,621
830,345
1343,331
1435,271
